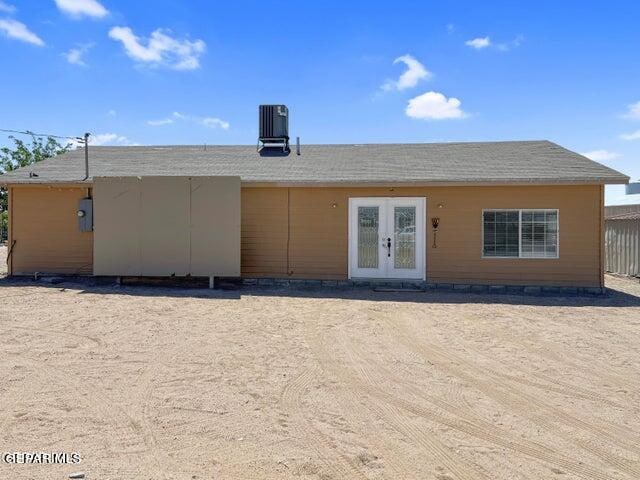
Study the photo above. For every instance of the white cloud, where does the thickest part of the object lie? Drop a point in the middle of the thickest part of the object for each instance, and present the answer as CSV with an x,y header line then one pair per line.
x,y
486,42
209,122
633,111
601,155
167,121
478,43
109,139
631,136
160,49
162,121
410,77
80,8
5,7
112,113
213,122
434,106
19,31
506,46
75,55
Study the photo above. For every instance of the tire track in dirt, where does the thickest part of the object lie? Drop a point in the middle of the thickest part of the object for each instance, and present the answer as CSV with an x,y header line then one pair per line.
x,y
392,414
552,384
291,401
168,381
602,369
476,427
95,340
35,370
500,378
561,388
21,396
512,399
548,351
145,417
507,399
148,428
99,400
38,294
107,408
609,430
453,392
398,459
460,408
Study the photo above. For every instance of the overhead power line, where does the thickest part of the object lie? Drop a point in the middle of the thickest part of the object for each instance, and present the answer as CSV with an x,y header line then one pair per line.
x,y
40,134
83,140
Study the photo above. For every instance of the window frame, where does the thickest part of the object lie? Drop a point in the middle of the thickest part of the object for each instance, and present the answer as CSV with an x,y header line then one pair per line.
x,y
520,210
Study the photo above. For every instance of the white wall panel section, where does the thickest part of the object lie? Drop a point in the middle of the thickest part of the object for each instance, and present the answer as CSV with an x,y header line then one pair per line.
x,y
163,226
215,226
116,227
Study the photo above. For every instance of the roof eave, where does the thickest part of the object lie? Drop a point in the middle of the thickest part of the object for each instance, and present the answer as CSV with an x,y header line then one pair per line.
x,y
441,183
39,181
367,183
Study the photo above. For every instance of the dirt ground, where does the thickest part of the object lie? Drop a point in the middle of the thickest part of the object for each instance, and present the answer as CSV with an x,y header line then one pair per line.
x,y
159,383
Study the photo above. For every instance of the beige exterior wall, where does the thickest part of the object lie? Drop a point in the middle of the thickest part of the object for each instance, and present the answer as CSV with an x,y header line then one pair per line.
x,y
316,233
44,226
298,233
264,232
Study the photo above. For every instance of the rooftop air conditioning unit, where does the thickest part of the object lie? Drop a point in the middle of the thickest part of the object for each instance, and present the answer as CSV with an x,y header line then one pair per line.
x,y
274,127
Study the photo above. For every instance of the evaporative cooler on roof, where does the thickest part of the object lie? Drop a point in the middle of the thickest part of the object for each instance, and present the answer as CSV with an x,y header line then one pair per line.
x,y
274,127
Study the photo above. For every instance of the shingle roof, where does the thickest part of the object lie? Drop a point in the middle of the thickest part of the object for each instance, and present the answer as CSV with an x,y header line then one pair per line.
x,y
622,212
625,216
480,162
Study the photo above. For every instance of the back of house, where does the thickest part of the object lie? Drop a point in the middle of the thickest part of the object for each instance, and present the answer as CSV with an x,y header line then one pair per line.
x,y
491,213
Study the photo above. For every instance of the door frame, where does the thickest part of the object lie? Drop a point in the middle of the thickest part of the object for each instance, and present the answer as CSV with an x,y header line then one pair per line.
x,y
421,234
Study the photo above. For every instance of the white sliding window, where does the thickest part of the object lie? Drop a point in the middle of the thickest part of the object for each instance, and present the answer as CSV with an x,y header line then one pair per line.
x,y
501,233
539,234
530,233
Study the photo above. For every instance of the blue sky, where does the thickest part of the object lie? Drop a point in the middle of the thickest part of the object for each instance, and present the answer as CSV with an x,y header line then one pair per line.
x,y
351,72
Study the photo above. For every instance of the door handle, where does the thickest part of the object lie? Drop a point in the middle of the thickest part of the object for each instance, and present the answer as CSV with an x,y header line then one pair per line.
x,y
389,246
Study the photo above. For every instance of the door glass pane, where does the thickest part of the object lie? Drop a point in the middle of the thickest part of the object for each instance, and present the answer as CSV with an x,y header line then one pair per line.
x,y
404,220
367,237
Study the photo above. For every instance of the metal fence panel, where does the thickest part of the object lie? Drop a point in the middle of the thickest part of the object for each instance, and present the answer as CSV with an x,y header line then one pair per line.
x,y
622,242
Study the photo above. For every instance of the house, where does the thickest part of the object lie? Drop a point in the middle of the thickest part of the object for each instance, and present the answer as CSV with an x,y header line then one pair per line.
x,y
506,213
622,239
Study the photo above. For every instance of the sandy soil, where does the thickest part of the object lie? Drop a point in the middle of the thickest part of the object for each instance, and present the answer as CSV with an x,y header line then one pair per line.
x,y
158,383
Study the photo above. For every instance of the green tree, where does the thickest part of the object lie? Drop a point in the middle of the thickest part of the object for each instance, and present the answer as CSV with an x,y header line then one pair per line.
x,y
4,225
22,154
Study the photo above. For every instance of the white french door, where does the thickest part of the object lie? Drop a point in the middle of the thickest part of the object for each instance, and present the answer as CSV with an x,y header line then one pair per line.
x,y
387,237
